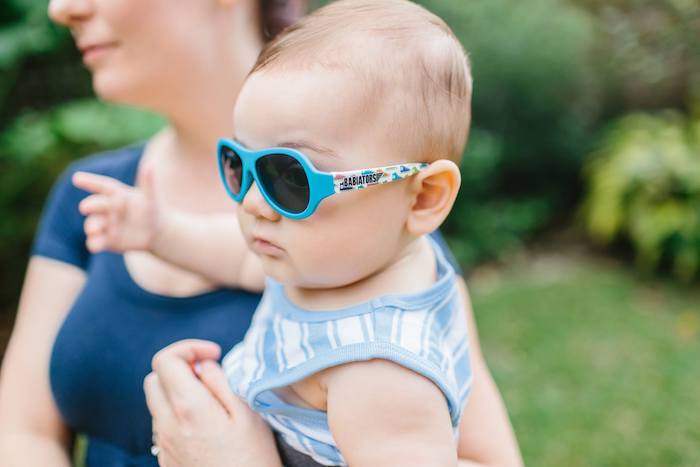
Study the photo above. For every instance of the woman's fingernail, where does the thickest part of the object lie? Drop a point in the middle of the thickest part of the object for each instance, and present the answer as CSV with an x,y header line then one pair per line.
x,y
197,367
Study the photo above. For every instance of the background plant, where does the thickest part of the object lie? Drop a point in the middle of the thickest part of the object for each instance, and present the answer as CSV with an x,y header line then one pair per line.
x,y
644,186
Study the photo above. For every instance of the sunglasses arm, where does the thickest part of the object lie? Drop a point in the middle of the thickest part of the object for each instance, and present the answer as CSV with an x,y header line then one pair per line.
x,y
360,179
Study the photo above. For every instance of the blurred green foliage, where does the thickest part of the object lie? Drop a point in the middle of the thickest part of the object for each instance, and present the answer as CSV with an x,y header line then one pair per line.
x,y
642,180
644,185
26,30
38,64
532,80
34,149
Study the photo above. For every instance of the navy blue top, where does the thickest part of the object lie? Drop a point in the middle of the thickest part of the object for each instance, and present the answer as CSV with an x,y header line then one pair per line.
x,y
104,347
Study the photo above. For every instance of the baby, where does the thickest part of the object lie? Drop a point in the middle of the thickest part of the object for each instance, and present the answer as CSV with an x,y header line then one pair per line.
x,y
347,134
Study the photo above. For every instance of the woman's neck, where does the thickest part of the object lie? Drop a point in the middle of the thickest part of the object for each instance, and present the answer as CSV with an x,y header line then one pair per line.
x,y
412,270
200,109
202,113
202,120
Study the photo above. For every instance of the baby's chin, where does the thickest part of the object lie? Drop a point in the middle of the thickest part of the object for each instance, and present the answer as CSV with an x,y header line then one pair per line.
x,y
281,271
278,270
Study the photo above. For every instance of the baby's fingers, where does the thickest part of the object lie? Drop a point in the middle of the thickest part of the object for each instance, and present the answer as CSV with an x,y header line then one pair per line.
x,y
95,225
96,243
101,204
96,183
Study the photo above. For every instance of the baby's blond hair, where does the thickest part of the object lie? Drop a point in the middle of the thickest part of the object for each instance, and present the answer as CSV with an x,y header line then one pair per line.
x,y
407,58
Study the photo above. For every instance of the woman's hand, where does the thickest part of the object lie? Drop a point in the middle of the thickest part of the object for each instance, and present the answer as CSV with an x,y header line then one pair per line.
x,y
202,423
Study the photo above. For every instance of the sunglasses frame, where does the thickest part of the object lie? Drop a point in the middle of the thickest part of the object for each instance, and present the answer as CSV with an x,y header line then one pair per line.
x,y
321,184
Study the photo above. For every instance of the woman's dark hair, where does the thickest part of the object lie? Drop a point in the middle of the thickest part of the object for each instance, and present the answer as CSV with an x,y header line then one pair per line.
x,y
278,14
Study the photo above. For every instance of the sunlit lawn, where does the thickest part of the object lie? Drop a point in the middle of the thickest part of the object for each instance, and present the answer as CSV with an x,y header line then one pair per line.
x,y
598,367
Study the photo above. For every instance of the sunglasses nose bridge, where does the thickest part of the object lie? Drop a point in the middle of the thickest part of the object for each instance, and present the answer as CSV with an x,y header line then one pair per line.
x,y
249,174
247,180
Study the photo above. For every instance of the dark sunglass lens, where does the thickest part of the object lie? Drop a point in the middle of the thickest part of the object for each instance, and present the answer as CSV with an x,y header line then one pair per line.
x,y
233,169
285,181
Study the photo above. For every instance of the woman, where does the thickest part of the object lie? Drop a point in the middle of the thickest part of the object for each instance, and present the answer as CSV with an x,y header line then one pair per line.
x,y
88,323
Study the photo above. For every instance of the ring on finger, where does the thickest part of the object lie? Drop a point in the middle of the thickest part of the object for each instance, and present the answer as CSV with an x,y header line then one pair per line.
x,y
155,449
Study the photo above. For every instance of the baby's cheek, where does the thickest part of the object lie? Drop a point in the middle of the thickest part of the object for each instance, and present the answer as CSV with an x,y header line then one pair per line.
x,y
316,255
335,257
244,221
348,237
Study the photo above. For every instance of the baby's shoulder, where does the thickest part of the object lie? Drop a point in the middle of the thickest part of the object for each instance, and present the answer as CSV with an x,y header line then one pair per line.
x,y
365,388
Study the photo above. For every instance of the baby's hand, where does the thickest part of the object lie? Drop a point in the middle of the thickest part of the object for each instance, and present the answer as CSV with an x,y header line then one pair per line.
x,y
119,217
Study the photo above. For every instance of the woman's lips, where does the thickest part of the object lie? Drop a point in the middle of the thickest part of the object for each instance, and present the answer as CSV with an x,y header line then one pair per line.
x,y
95,52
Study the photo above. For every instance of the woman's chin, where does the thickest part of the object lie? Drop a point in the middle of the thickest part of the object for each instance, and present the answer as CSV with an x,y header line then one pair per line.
x,y
114,89
106,88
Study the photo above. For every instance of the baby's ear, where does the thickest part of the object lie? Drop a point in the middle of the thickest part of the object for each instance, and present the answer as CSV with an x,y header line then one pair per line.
x,y
434,190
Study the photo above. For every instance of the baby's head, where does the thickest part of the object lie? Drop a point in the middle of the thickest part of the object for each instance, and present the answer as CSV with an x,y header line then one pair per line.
x,y
358,84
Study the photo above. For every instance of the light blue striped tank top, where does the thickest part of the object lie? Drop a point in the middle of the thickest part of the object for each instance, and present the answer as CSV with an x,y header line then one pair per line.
x,y
425,332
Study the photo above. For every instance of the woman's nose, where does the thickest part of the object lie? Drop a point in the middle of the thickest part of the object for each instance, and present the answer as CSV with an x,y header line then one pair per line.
x,y
70,12
254,204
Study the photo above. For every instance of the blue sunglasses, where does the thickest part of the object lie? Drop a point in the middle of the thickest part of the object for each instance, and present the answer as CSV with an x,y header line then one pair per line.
x,y
289,182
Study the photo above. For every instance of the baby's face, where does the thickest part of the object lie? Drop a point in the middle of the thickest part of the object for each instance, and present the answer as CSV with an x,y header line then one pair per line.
x,y
351,235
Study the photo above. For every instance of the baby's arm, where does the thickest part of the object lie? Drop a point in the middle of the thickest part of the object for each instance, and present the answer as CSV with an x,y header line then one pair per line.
x,y
124,218
382,414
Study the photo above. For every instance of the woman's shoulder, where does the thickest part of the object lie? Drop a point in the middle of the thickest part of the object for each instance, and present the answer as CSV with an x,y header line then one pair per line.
x,y
121,163
60,232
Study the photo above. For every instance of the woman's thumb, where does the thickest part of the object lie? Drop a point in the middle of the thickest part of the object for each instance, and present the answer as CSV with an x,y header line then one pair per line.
x,y
214,378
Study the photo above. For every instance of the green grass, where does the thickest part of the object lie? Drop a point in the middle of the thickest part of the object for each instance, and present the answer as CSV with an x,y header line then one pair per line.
x,y
597,366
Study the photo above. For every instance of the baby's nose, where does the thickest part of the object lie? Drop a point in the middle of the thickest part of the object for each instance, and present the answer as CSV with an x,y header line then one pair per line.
x,y
254,204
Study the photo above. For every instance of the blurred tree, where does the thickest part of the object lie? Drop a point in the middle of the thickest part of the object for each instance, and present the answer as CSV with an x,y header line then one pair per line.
x,y
39,66
535,106
647,52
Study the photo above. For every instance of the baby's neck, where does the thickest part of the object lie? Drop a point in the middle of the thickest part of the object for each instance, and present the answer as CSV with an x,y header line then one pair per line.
x,y
412,270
